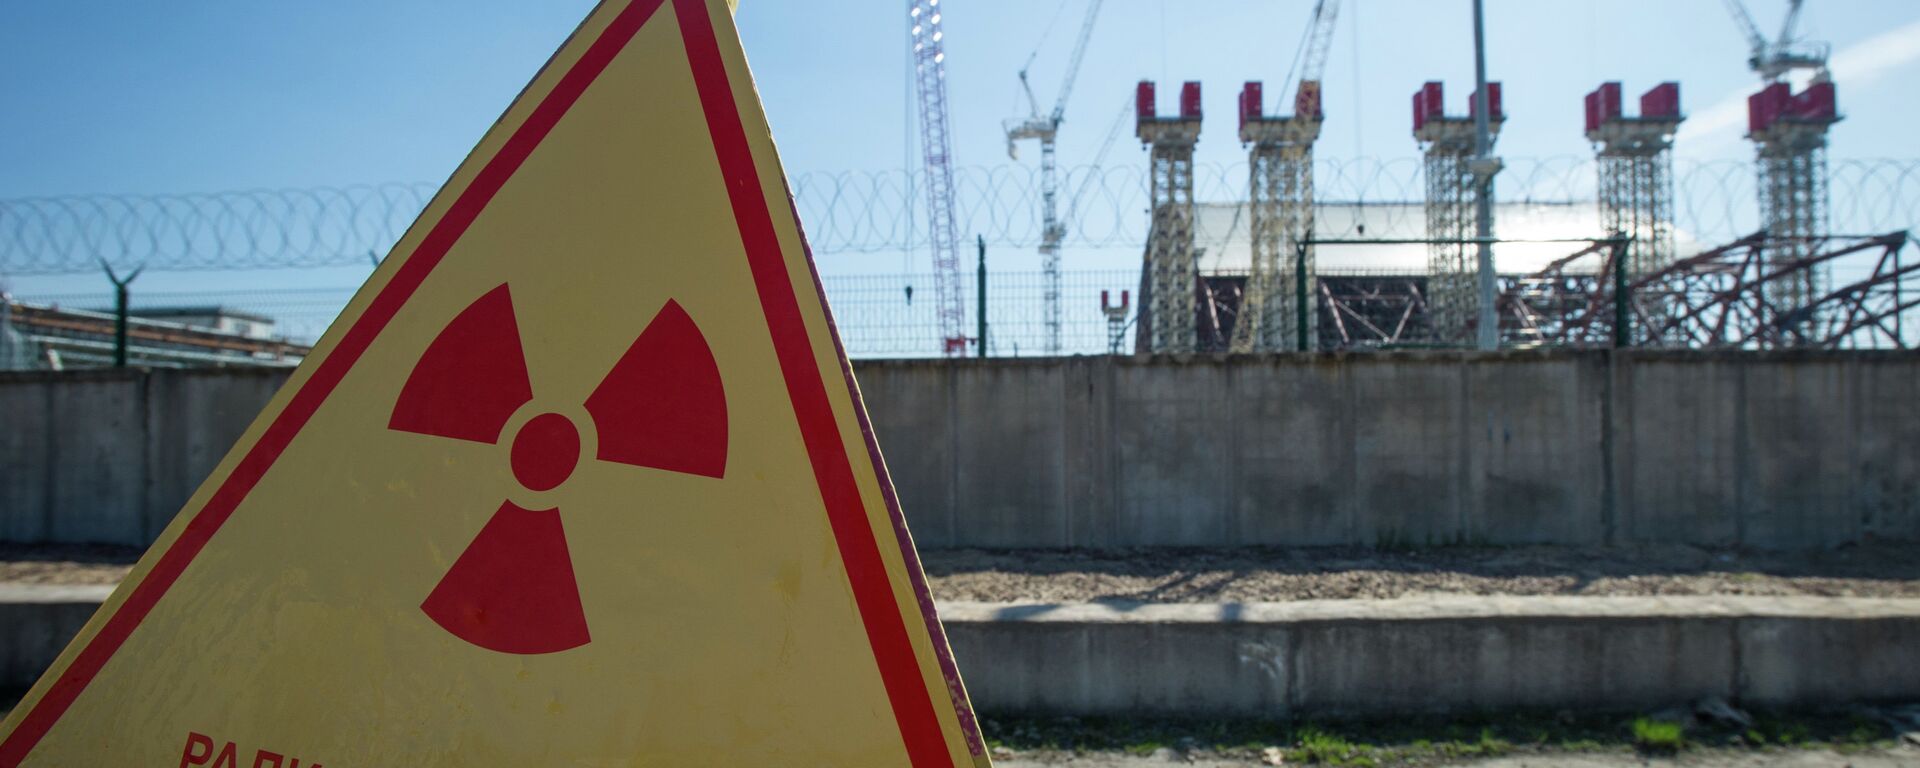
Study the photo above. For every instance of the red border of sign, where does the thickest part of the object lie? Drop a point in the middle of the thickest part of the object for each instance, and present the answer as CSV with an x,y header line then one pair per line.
x,y
866,571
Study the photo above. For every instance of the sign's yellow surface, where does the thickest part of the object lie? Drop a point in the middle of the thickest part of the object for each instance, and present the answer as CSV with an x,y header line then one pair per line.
x,y
578,478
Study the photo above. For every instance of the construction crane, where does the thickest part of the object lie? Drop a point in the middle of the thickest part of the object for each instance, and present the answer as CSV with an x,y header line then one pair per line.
x,y
1789,134
1045,127
1276,310
936,149
1774,60
1313,62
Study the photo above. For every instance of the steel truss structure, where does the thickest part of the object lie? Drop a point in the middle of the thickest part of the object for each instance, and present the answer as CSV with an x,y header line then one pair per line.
x,y
1447,144
1634,157
1789,133
1372,311
1743,295
1280,202
1046,129
1169,284
936,151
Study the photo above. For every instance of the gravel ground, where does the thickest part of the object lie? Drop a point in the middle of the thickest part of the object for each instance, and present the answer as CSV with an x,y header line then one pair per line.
x,y
1252,575
65,564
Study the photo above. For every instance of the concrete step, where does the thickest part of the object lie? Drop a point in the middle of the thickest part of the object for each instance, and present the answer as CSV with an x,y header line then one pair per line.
x,y
1441,654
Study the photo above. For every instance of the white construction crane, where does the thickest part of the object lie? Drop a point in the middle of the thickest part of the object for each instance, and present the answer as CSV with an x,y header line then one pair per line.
x,y
1313,60
1045,127
1773,60
936,148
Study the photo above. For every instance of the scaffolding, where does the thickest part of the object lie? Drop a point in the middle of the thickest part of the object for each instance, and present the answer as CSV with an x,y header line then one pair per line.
x,y
1634,156
1168,279
1452,298
1634,159
1789,133
1276,307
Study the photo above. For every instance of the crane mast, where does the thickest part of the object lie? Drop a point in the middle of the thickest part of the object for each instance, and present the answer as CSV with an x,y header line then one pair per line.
x,y
936,148
1789,134
1046,128
1773,60
1306,100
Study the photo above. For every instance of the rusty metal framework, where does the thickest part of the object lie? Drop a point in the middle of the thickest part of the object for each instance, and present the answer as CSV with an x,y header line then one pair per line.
x,y
1737,296
1741,295
1168,280
1371,311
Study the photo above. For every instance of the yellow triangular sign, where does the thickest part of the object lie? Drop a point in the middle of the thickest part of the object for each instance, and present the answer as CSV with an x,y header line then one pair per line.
x,y
578,478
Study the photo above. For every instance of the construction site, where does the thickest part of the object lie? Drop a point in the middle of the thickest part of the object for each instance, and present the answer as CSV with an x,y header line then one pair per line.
x,y
1615,249
1451,459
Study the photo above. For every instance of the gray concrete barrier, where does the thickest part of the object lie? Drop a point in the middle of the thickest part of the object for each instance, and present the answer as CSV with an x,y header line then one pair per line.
x,y
36,622
109,457
1445,655
1768,450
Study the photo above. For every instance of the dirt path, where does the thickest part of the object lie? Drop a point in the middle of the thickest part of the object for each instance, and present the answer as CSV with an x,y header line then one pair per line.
x,y
1251,575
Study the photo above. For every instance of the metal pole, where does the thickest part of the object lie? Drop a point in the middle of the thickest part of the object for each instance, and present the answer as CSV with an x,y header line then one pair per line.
x,y
1300,296
119,325
1489,331
1622,332
120,311
9,361
980,295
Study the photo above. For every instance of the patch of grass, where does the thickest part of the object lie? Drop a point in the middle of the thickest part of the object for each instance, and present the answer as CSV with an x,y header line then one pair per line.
x,y
1428,741
1403,742
1315,746
1779,732
1658,736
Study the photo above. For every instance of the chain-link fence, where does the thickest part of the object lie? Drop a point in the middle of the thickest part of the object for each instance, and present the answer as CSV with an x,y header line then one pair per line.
x,y
878,315
892,315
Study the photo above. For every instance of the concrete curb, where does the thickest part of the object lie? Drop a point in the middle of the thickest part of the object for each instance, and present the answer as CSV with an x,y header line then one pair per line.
x,y
1437,654
36,622
1440,654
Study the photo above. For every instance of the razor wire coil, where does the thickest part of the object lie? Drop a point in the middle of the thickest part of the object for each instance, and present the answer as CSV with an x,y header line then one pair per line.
x,y
867,211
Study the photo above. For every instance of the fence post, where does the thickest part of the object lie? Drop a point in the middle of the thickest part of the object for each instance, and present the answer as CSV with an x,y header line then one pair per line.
x,y
9,357
980,295
1622,330
1300,296
120,311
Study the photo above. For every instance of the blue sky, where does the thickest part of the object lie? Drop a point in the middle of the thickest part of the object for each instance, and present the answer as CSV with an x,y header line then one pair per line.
x,y
209,95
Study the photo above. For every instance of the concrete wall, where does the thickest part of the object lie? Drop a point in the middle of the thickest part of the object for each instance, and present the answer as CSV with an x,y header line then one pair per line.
x,y
36,623
1443,655
107,457
1451,654
1775,450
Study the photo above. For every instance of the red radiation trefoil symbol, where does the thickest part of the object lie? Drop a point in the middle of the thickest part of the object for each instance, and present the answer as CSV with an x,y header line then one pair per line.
x,y
661,406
